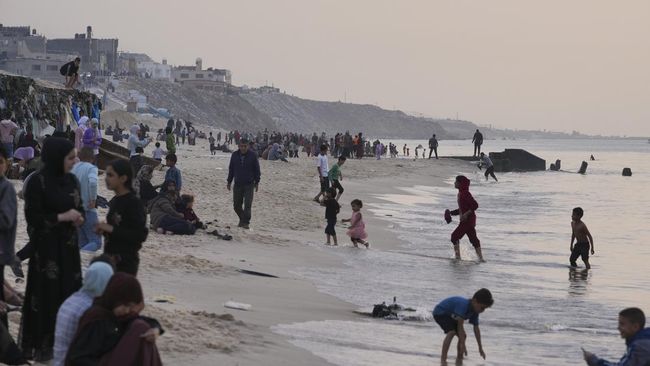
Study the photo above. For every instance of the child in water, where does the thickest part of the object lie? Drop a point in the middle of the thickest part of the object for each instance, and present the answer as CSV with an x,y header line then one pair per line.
x,y
582,236
357,229
332,208
451,314
467,206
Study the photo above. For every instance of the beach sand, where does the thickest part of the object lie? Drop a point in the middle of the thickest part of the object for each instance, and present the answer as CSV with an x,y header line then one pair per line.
x,y
199,273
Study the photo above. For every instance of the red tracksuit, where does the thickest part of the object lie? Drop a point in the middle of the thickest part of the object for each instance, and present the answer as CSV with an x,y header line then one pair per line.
x,y
466,203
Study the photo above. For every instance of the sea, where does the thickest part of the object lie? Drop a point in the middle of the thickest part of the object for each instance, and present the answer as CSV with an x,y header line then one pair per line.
x,y
544,312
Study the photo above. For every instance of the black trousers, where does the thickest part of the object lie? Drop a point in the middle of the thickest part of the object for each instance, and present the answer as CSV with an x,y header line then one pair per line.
x,y
242,197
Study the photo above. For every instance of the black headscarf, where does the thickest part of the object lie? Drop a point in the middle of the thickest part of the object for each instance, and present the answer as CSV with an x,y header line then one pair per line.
x,y
55,149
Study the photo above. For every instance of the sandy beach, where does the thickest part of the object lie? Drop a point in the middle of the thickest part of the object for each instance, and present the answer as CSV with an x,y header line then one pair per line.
x,y
198,274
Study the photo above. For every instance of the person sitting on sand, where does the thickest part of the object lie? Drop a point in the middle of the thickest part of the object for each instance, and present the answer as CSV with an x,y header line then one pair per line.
x,y
631,323
67,319
357,229
112,331
125,228
467,206
451,313
186,207
276,153
163,215
142,186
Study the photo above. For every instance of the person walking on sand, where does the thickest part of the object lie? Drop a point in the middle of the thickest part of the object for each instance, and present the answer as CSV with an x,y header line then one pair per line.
x,y
583,238
478,141
357,229
244,169
433,146
489,167
467,207
322,165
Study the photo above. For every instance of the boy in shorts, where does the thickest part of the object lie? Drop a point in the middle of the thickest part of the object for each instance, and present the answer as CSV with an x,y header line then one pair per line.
x,y
582,236
336,176
451,313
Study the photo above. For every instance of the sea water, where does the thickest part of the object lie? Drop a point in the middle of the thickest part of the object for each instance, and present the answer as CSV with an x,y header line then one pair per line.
x,y
543,311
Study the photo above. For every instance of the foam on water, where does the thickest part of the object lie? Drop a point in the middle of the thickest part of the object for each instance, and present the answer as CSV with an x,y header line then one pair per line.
x,y
543,310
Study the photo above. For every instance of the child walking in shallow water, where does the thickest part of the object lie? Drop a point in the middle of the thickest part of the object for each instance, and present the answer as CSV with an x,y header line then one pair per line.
x,y
582,236
332,208
357,229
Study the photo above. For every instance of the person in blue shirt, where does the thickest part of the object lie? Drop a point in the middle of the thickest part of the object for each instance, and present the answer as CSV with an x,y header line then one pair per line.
x,y
451,314
173,173
631,323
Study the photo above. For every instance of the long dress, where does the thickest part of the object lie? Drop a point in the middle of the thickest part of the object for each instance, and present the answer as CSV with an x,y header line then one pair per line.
x,y
55,267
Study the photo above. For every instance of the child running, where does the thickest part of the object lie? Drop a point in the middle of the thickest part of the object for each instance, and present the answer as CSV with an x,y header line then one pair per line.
x,y
336,176
125,227
357,229
582,236
451,313
467,206
332,208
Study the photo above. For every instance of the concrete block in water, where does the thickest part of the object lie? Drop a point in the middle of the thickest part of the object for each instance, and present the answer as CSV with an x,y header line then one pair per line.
x,y
516,160
583,168
627,172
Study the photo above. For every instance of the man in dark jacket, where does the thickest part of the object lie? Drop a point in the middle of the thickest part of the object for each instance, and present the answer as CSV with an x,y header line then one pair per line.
x,y
630,324
478,141
244,168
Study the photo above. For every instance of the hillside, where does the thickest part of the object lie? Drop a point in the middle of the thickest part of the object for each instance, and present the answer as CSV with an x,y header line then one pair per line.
x,y
306,116
202,107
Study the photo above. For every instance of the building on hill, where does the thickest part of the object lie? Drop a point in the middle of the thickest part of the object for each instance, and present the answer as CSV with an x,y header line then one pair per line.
x,y
141,65
219,80
98,56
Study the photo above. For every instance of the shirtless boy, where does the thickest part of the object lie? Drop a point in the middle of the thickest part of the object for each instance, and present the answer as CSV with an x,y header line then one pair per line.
x,y
581,235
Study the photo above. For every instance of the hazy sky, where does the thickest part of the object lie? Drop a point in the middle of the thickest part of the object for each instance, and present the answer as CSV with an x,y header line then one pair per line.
x,y
544,64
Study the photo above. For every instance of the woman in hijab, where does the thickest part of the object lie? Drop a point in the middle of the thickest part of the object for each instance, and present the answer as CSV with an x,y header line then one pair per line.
x,y
67,320
92,137
112,333
163,215
133,144
53,210
142,186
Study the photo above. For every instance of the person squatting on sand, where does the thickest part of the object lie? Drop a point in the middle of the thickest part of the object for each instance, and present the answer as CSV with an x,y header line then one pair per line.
x,y
583,238
357,229
451,314
244,169
466,211
54,211
332,208
125,228
631,323
112,332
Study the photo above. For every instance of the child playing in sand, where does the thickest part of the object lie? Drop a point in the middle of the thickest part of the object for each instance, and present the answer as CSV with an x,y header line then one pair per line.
x,y
186,207
336,176
451,313
357,229
582,236
467,206
332,208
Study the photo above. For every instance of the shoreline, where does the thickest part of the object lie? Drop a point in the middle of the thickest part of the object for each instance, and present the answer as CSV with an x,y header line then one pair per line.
x,y
199,273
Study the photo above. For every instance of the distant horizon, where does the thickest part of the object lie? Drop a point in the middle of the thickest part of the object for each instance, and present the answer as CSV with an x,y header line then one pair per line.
x,y
550,65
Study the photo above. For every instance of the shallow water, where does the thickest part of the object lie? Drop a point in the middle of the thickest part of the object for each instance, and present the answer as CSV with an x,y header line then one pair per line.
x,y
544,311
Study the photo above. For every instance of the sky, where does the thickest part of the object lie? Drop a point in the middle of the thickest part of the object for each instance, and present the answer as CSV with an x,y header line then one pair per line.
x,y
558,65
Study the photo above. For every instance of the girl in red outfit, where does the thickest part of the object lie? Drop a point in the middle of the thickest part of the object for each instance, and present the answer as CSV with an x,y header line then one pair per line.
x,y
467,206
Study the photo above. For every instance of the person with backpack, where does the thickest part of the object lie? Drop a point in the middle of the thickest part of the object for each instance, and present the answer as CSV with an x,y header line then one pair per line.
x,y
71,72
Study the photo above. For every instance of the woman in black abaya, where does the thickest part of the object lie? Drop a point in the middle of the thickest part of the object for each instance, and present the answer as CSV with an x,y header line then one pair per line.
x,y
53,210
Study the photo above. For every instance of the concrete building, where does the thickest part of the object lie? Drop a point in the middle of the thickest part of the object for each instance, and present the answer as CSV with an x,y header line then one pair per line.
x,y
16,41
219,80
140,64
98,56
